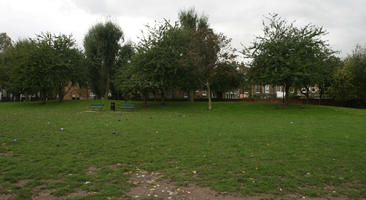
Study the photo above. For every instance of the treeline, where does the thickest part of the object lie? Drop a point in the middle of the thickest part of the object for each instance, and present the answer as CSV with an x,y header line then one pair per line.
x,y
186,55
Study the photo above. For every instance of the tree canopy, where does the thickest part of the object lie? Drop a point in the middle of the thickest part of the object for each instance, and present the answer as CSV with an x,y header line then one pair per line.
x,y
287,55
44,64
5,41
102,44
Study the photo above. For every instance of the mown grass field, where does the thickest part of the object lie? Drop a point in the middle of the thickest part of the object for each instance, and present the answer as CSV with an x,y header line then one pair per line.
x,y
251,148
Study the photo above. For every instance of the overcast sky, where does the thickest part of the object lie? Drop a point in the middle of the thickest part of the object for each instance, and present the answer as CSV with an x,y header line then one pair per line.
x,y
345,20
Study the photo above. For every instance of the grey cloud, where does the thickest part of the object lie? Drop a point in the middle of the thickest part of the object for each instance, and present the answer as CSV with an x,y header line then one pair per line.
x,y
241,20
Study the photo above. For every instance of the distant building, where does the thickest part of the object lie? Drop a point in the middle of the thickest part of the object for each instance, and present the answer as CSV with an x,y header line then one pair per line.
x,y
75,92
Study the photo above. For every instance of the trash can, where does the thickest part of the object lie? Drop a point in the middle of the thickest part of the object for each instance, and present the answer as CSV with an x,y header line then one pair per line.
x,y
113,106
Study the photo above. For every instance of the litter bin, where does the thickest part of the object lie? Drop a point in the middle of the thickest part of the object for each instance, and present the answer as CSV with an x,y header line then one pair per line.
x,y
113,106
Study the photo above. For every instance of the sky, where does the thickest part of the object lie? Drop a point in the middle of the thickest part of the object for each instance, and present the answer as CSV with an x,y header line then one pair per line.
x,y
241,20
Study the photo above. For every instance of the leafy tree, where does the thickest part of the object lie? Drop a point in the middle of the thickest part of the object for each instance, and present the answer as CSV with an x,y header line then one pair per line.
x,y
191,23
343,88
357,62
227,77
63,64
207,49
102,44
287,55
122,71
156,65
245,84
324,74
134,79
19,62
5,41
45,64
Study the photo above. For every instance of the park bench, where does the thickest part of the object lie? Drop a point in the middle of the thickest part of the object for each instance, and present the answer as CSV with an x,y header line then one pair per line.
x,y
97,106
127,106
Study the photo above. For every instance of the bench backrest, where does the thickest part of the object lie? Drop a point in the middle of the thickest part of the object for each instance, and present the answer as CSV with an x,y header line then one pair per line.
x,y
97,105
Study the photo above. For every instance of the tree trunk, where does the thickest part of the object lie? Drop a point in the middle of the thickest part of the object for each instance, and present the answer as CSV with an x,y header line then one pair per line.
x,y
320,94
43,97
287,88
155,97
209,96
61,95
162,97
283,94
145,99
173,94
219,96
191,95
107,87
250,92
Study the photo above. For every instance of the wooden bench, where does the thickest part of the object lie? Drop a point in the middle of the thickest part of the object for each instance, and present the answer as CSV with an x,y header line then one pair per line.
x,y
97,106
127,106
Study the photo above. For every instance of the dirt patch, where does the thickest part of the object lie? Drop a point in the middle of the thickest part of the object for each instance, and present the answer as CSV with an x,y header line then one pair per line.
x,y
151,185
76,194
47,194
43,195
91,170
22,183
114,166
7,196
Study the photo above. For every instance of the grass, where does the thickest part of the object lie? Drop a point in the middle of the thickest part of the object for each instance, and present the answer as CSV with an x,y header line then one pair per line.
x,y
250,148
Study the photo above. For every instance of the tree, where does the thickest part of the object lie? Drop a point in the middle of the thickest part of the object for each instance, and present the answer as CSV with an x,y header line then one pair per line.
x,y
206,50
287,55
349,81
325,73
5,41
45,64
20,63
156,64
125,55
101,44
343,88
191,23
227,77
134,79
357,62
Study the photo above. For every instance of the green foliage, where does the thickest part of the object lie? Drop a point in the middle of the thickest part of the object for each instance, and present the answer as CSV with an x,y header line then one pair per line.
x,y
357,62
190,20
227,78
102,44
45,64
176,56
121,70
205,50
343,88
287,55
349,81
191,23
156,65
324,75
5,41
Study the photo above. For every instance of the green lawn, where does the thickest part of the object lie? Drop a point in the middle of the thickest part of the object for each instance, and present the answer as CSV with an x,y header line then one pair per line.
x,y
249,148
